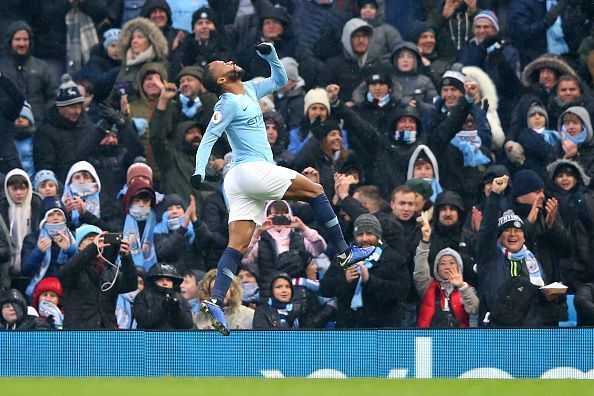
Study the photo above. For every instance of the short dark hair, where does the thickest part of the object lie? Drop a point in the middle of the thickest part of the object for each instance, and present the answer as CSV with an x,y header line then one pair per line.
x,y
280,207
209,81
17,181
370,193
403,189
569,77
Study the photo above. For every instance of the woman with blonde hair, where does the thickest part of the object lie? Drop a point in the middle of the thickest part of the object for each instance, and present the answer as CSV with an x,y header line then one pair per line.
x,y
238,316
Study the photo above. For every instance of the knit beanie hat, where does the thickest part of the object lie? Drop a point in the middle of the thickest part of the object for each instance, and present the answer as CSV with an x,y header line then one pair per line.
x,y
27,113
43,175
68,93
367,223
364,2
508,220
526,181
379,77
203,13
194,71
172,199
421,187
139,169
110,36
315,96
325,128
538,108
84,230
455,79
488,15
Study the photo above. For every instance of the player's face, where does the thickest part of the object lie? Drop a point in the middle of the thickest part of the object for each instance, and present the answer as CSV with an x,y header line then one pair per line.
x,y
227,70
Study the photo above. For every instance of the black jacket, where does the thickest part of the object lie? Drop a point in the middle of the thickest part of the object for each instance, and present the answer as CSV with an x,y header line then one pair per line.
x,y
11,103
584,304
152,312
85,305
215,216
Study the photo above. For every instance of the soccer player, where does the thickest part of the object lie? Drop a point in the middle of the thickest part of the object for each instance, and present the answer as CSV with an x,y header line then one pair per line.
x,y
254,178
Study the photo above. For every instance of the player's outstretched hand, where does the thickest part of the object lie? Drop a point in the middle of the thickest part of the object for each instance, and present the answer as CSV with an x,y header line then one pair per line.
x,y
196,181
263,48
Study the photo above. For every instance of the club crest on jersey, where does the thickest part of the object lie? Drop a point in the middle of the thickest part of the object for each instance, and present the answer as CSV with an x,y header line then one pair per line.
x,y
217,116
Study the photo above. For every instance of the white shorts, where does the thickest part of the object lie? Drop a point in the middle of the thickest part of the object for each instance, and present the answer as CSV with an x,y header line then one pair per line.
x,y
250,184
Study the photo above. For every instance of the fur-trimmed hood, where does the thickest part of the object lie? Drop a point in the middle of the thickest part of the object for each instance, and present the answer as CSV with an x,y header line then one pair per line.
x,y
530,73
488,92
153,33
552,167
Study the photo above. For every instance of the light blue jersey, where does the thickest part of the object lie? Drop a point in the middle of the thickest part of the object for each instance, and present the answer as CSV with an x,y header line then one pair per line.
x,y
241,117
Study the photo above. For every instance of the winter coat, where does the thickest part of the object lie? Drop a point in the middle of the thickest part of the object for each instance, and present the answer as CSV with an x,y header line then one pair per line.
x,y
86,307
345,69
101,70
57,141
24,320
152,313
383,39
202,53
23,141
451,33
36,204
111,162
215,215
585,154
30,74
174,248
584,304
537,151
32,257
316,21
11,103
290,106
493,271
387,286
5,255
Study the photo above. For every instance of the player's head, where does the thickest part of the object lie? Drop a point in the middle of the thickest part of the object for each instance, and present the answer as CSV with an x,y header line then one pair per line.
x,y
219,73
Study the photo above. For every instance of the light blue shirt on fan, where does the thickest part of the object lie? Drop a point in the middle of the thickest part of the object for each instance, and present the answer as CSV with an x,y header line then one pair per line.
x,y
241,118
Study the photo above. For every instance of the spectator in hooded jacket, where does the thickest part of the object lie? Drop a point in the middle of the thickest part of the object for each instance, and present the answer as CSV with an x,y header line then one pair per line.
x,y
160,305
20,209
279,312
384,34
91,284
238,316
369,293
57,139
46,184
24,129
422,164
446,299
575,128
46,250
14,315
29,73
47,300
432,65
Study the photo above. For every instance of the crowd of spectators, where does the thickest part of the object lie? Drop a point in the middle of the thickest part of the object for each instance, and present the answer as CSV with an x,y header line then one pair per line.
x,y
453,136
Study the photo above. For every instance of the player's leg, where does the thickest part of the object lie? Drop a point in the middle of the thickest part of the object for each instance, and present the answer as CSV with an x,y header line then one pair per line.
x,y
240,233
303,189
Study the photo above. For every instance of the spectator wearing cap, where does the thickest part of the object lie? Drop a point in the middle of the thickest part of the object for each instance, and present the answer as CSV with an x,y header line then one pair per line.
x,y
194,103
139,224
180,235
207,41
289,100
275,26
56,142
423,192
315,105
282,247
379,101
24,129
111,147
370,292
46,250
46,184
160,305
159,12
505,263
459,94
569,184
103,65
384,34
47,300
541,145
91,285
417,89
545,233
138,170
29,73
447,300
355,63
11,104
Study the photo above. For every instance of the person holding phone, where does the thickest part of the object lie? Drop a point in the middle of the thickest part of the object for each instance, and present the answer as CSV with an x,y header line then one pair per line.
x,y
282,244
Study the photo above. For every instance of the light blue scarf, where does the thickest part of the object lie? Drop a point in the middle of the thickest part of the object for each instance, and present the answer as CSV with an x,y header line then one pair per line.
x,y
381,102
436,189
189,111
551,137
556,43
469,144
91,199
124,305
169,225
143,250
408,137
578,140
49,231
524,256
357,300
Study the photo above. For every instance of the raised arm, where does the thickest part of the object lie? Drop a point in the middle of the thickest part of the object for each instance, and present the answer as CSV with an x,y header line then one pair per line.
x,y
278,78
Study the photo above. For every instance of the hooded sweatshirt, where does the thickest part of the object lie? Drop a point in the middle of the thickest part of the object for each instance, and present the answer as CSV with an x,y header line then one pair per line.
x,y
425,151
585,155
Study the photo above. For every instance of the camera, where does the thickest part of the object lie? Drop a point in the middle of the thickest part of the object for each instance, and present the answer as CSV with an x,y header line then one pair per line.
x,y
281,220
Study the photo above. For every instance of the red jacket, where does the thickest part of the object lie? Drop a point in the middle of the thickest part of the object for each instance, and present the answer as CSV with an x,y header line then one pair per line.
x,y
427,309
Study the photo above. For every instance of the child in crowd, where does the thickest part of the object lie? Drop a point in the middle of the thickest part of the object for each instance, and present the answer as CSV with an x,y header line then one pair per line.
x,y
46,184
47,300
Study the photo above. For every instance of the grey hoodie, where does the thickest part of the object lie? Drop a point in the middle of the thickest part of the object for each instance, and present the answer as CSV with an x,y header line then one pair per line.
x,y
347,31
584,116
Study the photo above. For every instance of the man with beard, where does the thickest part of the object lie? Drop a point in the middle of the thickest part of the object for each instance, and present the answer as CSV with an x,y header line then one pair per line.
x,y
448,231
30,74
111,148
254,178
